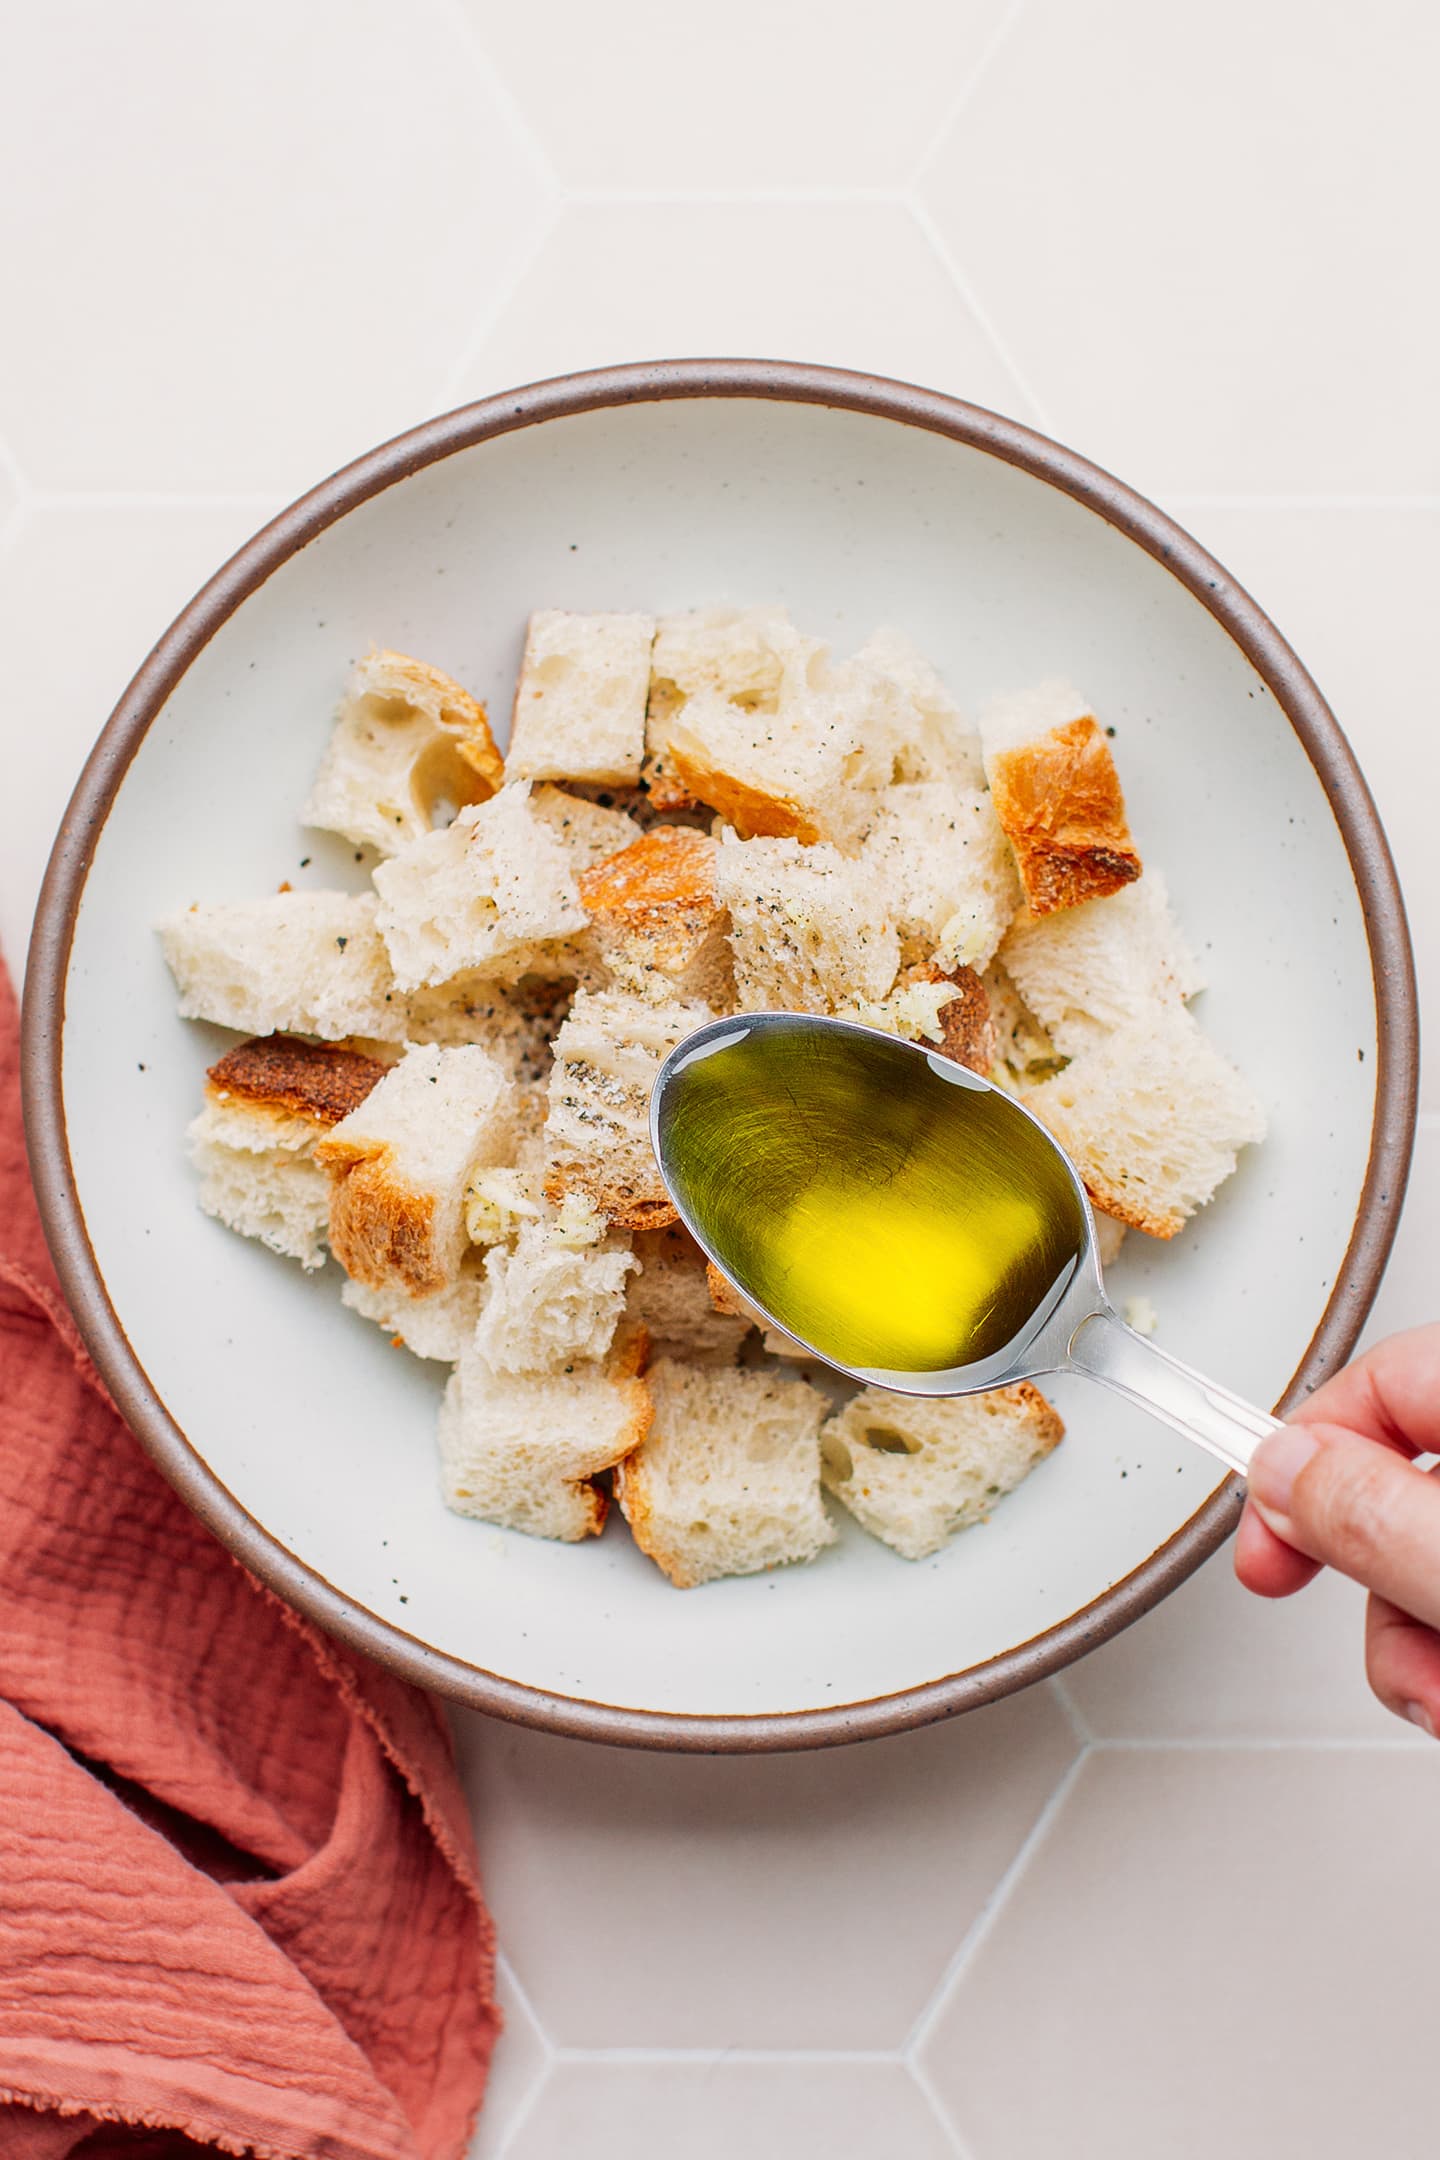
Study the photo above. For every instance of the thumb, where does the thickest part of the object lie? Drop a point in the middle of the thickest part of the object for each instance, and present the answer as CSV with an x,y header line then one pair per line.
x,y
1357,1506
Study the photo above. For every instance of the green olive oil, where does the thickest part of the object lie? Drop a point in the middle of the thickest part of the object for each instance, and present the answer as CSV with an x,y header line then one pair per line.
x,y
886,1208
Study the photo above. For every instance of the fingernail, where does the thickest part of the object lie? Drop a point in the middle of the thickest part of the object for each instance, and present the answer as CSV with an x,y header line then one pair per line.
x,y
1276,1464
1419,1715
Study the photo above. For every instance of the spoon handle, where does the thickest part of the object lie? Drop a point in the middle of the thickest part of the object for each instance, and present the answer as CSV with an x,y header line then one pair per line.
x,y
1115,1355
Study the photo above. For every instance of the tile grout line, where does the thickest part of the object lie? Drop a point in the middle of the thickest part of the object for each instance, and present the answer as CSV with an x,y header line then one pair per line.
x,y
1266,1744
921,2079
1074,1717
62,499
992,1908
1190,499
999,36
464,26
935,240
894,2058
890,196
474,343
547,2053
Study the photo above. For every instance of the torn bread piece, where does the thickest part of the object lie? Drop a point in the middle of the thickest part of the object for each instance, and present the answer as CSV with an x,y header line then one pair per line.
x,y
913,1470
739,654
410,748
1024,1053
1091,968
580,701
670,1298
266,1104
494,894
948,1013
400,1165
1058,796
932,740
302,963
440,1326
659,928
807,927
946,869
553,1302
515,1022
728,1480
810,769
1152,1116
520,1449
597,1135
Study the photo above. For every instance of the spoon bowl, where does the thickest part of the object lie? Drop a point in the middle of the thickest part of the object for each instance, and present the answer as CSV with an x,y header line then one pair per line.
x,y
904,1219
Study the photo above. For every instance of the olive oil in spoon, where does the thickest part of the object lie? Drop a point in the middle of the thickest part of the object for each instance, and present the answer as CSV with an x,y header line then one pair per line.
x,y
903,1219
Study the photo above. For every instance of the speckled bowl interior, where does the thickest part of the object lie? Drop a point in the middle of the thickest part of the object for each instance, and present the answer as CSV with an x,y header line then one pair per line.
x,y
294,1427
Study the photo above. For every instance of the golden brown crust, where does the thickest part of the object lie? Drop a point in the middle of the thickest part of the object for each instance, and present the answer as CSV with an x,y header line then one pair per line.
x,y
319,1081
1060,804
617,1200
724,1296
754,815
664,880
462,716
633,1495
1114,1200
1040,1414
381,1229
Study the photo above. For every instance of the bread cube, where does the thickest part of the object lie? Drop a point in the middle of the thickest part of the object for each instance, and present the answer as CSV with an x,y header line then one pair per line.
x,y
1096,966
400,1164
1058,796
597,1135
306,963
520,1449
267,1102
1024,1053
937,853
932,740
440,1326
739,654
670,1298
807,928
493,895
580,700
913,1470
659,929
1152,1116
728,1480
409,744
551,1302
947,1013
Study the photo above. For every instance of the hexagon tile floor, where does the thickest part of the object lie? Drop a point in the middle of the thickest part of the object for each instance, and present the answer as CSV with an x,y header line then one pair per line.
x,y
1185,1903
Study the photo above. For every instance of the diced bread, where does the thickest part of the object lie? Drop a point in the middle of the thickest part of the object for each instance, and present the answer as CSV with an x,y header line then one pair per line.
x,y
408,744
303,963
495,893
913,1470
809,770
580,700
1093,967
808,928
1023,1051
932,740
520,1449
295,1089
551,1302
441,1326
728,1480
937,853
739,654
400,1165
597,1136
1058,796
948,1013
514,1023
1152,1117
670,1299
659,929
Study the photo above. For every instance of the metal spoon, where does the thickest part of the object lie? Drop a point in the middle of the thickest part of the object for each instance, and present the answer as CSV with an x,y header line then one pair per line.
x,y
751,1115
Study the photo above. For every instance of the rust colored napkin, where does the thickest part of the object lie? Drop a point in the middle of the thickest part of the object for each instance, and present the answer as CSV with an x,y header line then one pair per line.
x,y
239,1907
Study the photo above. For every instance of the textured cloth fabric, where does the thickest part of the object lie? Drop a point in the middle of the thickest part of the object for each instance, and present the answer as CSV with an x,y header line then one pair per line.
x,y
239,1906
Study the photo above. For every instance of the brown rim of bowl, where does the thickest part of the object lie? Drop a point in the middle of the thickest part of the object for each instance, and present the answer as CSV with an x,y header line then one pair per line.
x,y
1392,962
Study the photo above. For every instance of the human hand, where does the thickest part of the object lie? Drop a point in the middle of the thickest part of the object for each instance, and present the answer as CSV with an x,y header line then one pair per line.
x,y
1337,1488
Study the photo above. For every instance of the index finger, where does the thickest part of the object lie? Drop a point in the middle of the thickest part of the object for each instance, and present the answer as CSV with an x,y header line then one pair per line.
x,y
1391,1394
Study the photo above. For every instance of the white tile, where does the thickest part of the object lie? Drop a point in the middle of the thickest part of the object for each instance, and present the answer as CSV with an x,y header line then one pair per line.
x,y
713,2110
1354,591
1210,1953
516,2070
808,1900
1201,236
243,242
647,95
10,508
84,594
856,285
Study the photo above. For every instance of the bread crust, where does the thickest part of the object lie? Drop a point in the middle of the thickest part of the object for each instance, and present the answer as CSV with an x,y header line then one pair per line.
x,y
381,1229
967,1032
724,1296
754,814
282,1074
463,718
662,882
1060,804
616,1198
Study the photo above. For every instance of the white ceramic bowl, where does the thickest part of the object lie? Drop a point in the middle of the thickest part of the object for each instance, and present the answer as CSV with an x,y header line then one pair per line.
x,y
300,1436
